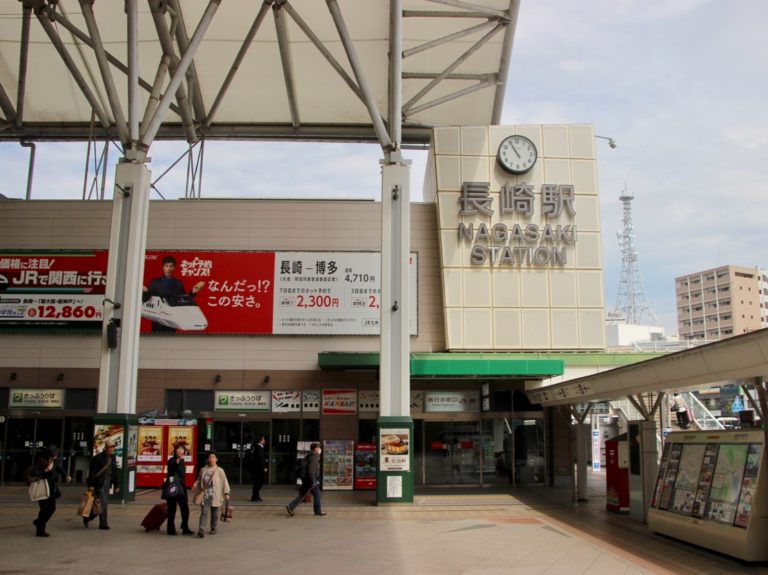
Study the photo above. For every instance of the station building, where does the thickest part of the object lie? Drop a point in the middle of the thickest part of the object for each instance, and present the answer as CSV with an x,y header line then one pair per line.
x,y
506,273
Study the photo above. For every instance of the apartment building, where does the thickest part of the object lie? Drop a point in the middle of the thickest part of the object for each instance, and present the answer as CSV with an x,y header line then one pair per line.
x,y
721,302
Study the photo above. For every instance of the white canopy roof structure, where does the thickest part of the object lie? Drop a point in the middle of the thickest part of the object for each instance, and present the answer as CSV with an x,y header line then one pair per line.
x,y
737,359
272,69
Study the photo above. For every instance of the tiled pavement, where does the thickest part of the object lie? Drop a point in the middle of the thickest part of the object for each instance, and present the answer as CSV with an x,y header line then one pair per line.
x,y
470,531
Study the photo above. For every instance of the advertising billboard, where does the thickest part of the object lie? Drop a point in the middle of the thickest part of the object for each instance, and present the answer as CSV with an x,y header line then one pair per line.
x,y
203,292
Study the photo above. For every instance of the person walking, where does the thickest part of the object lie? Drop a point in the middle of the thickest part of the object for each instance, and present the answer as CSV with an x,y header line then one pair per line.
x,y
176,474
47,467
310,482
102,476
259,468
213,484
681,410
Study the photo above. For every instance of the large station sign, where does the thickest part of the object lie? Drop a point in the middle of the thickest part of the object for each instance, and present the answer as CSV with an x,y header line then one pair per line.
x,y
209,292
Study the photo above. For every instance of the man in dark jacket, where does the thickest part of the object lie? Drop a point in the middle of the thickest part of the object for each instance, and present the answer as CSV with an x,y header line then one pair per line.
x,y
167,286
102,476
259,468
310,482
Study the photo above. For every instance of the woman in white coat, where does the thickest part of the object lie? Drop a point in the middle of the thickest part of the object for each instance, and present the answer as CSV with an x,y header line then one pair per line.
x,y
211,491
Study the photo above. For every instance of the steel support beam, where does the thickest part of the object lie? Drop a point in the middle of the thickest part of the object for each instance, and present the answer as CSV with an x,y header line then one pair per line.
x,y
181,69
639,405
182,39
244,47
657,403
85,39
26,25
449,97
31,169
323,50
360,76
106,73
7,106
492,77
166,42
77,76
451,67
752,401
395,71
286,61
444,14
156,93
582,439
471,7
506,57
450,38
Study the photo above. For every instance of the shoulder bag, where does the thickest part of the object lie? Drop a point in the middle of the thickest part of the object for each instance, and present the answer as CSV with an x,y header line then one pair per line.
x,y
39,490
201,488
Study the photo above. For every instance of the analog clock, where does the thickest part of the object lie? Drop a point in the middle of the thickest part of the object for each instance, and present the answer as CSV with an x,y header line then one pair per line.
x,y
517,154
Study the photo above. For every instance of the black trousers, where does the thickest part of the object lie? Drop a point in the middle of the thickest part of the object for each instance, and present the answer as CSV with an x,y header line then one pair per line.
x,y
181,503
47,509
258,483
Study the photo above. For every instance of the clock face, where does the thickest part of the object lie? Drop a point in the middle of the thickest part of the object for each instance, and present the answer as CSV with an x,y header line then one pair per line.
x,y
517,154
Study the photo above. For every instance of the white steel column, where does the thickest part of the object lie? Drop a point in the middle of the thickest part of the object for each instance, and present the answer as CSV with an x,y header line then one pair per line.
x,y
125,274
395,368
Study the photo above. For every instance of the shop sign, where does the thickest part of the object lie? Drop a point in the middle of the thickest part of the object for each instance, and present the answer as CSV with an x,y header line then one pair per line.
x,y
36,398
339,402
368,401
310,401
394,449
286,401
451,401
242,401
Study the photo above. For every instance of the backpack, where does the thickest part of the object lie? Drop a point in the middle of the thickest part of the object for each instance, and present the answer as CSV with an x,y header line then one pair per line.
x,y
301,468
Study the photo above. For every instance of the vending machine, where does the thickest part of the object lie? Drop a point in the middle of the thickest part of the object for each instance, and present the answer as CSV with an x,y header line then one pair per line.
x,y
156,442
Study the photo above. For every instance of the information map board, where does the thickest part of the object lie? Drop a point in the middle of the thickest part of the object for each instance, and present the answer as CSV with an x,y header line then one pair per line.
x,y
708,492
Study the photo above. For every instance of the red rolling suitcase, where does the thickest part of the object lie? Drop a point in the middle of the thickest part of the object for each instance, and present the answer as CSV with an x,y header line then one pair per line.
x,y
156,517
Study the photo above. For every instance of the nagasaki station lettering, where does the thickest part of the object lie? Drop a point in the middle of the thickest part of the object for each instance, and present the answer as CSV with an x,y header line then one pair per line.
x,y
501,244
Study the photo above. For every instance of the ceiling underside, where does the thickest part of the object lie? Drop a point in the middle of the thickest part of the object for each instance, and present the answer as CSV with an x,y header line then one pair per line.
x,y
289,83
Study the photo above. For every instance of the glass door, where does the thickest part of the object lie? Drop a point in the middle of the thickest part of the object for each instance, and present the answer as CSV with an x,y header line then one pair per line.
x,y
496,452
233,441
529,450
452,453
285,435
26,437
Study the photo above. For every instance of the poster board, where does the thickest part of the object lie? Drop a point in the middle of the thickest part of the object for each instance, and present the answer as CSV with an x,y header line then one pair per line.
x,y
709,492
157,438
338,465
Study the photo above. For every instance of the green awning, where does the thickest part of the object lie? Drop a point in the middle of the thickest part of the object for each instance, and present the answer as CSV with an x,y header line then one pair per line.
x,y
458,365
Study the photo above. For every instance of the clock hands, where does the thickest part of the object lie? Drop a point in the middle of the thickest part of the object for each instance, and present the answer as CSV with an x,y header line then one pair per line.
x,y
515,150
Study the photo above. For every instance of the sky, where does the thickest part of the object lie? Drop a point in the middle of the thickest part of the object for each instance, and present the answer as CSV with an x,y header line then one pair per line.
x,y
680,85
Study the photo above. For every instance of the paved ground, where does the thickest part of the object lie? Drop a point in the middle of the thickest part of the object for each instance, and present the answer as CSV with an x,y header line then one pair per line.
x,y
527,531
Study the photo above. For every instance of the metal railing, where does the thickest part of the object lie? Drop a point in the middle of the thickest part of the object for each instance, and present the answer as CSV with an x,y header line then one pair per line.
x,y
702,417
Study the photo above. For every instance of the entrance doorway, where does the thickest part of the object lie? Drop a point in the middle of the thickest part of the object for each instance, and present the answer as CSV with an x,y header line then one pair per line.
x,y
25,438
233,441
452,453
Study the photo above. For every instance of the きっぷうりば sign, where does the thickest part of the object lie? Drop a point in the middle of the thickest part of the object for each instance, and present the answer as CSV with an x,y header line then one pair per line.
x,y
206,292
242,401
36,398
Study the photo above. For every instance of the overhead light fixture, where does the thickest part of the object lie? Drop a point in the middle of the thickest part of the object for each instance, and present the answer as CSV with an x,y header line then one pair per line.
x,y
217,379
266,379
60,377
13,376
611,142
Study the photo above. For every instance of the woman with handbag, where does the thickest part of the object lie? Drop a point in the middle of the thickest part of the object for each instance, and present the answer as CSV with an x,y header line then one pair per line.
x,y
211,491
177,497
47,468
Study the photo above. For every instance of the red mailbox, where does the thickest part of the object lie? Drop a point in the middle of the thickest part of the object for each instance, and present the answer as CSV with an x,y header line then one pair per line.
x,y
617,474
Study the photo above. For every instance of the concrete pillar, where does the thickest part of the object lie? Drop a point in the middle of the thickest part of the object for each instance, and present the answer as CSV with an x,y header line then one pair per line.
x,y
395,486
582,439
125,276
649,462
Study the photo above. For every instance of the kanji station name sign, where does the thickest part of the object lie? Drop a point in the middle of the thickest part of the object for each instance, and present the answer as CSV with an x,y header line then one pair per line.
x,y
511,243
